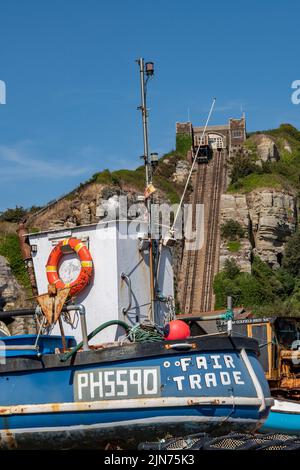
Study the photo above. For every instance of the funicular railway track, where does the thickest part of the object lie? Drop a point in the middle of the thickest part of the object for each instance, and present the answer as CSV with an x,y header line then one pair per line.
x,y
212,239
192,254
200,264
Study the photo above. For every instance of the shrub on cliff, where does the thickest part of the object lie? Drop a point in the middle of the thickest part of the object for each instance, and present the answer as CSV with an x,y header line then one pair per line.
x,y
232,230
243,164
10,249
244,288
291,259
262,287
13,215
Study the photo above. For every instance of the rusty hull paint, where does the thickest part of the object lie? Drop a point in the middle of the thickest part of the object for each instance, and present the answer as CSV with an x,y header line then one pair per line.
x,y
87,406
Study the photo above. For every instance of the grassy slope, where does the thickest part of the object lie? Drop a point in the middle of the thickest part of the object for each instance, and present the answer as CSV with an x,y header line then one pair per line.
x,y
283,174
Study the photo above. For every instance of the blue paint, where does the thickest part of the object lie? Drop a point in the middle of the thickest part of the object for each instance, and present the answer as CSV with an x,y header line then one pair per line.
x,y
178,372
49,420
46,344
287,423
56,385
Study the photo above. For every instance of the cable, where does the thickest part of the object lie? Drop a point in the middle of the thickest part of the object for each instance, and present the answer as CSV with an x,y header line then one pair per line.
x,y
191,170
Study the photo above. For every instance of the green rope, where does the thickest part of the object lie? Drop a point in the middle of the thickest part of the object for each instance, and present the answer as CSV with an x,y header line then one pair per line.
x,y
97,330
228,315
138,333
144,333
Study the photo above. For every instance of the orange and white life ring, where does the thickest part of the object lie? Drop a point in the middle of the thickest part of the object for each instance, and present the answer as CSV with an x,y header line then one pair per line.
x,y
86,260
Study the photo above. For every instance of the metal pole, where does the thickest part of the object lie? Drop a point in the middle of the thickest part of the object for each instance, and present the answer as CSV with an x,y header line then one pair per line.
x,y
81,309
148,171
143,108
229,308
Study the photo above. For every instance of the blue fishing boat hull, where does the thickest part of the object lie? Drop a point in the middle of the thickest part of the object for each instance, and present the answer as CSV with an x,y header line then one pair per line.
x,y
284,417
129,394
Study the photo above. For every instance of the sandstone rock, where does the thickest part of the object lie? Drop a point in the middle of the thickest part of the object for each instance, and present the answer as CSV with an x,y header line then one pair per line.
x,y
10,290
234,206
273,217
266,147
242,257
182,171
269,216
287,146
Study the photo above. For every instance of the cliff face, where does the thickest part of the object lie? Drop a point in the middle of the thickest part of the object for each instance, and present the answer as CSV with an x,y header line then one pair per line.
x,y
273,218
266,147
13,296
268,216
77,209
234,207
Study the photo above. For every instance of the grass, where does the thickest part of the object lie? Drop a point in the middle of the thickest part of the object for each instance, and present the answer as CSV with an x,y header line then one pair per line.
x,y
282,174
234,246
136,178
262,180
183,143
168,188
10,249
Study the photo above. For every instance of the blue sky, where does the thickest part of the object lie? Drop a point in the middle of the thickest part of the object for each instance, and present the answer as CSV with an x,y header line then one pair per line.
x,y
73,86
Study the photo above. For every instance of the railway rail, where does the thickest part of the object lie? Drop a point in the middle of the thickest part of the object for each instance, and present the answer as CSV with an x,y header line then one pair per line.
x,y
192,255
200,265
213,234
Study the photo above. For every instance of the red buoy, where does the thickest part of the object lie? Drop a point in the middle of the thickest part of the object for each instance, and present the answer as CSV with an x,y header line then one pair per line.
x,y
176,329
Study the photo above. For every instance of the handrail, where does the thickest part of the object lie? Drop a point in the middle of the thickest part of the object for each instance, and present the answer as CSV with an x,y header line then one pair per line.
x,y
17,313
81,309
228,315
127,278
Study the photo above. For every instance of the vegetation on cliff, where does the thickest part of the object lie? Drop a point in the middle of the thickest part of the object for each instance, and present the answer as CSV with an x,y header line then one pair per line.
x,y
260,290
135,179
248,173
10,249
265,290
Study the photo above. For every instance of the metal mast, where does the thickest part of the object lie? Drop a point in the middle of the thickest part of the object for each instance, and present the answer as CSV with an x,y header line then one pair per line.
x,y
148,70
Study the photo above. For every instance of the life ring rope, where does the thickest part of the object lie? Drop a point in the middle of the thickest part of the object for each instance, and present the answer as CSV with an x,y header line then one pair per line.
x,y
86,262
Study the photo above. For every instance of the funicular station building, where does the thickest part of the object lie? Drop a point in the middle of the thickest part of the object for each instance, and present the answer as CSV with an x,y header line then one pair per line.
x,y
230,136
